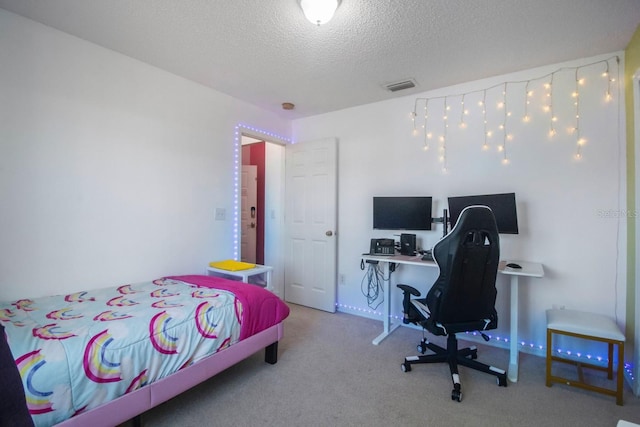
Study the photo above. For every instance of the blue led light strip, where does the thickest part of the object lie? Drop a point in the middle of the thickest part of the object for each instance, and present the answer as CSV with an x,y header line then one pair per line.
x,y
539,347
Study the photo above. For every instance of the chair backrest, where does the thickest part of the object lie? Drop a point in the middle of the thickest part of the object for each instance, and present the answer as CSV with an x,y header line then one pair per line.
x,y
468,258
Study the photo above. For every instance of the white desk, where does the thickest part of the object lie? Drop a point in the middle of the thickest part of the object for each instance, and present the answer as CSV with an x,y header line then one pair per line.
x,y
529,269
387,326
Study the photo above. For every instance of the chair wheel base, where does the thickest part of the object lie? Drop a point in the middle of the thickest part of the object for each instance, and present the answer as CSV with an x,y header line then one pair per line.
x,y
456,395
406,367
502,380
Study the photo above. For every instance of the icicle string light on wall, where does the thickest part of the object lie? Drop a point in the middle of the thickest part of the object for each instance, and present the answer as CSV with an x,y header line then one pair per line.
x,y
576,129
443,138
552,126
503,126
487,133
527,96
609,79
551,94
463,112
427,135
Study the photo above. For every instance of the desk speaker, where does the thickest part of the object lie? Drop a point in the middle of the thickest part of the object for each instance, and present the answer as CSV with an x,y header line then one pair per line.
x,y
408,244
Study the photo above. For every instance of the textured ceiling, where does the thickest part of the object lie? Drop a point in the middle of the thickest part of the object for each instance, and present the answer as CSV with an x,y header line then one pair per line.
x,y
265,52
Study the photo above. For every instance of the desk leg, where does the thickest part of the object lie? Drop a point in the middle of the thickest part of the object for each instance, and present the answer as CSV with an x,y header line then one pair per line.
x,y
269,285
387,327
513,340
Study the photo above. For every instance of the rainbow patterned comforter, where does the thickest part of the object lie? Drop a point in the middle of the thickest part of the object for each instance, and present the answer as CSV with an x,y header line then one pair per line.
x,y
78,351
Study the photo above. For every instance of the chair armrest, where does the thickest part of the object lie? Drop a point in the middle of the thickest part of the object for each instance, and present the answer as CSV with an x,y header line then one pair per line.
x,y
407,309
410,289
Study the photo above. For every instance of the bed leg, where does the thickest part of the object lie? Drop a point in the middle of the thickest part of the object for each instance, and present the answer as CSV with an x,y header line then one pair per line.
x,y
271,353
137,421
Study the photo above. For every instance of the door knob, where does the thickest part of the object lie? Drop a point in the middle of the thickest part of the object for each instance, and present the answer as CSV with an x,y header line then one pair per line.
x,y
329,233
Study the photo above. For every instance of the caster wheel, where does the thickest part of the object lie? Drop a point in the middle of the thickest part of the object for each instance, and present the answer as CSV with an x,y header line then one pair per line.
x,y
502,381
405,367
456,395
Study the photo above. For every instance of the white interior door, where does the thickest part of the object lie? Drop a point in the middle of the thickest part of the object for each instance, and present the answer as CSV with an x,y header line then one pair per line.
x,y
310,223
248,213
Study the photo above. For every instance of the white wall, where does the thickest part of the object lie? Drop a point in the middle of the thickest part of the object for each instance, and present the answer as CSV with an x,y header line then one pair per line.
x,y
274,214
566,208
110,169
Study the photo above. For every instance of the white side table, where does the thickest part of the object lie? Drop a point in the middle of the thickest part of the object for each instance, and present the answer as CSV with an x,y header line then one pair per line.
x,y
259,275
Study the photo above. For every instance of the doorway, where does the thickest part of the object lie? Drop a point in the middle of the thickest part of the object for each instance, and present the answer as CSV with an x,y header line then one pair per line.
x,y
320,153
252,200
250,228
266,153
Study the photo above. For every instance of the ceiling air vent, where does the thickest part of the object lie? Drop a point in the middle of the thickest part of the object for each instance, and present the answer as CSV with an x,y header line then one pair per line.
x,y
402,85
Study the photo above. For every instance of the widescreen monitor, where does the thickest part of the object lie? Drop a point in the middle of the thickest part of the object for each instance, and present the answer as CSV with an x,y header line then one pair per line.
x,y
402,213
502,205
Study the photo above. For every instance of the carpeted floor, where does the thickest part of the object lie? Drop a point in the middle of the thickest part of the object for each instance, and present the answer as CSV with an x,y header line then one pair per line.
x,y
329,374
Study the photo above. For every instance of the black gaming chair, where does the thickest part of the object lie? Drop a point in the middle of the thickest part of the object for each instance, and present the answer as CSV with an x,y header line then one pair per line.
x,y
463,297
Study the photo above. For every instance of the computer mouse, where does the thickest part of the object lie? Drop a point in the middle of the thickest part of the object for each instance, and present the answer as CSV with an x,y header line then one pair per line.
x,y
513,265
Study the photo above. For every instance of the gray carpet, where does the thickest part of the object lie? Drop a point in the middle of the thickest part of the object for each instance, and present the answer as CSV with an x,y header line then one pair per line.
x,y
329,374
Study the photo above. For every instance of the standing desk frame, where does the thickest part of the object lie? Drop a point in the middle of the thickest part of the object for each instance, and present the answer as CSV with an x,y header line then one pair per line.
x,y
529,269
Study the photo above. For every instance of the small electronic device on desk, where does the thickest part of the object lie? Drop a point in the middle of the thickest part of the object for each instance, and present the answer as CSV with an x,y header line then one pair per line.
x,y
407,244
382,247
427,255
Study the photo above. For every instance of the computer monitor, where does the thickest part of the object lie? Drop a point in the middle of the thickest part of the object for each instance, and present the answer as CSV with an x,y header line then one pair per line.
x,y
502,205
402,213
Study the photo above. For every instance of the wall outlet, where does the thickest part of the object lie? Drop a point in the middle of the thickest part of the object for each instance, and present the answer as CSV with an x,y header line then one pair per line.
x,y
221,214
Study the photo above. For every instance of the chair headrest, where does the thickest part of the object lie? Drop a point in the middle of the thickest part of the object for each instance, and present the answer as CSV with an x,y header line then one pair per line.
x,y
476,217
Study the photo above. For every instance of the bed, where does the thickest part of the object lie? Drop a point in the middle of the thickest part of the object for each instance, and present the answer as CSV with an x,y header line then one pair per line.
x,y
104,356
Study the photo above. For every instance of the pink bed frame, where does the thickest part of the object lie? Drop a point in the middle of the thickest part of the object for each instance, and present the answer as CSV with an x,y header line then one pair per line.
x,y
135,403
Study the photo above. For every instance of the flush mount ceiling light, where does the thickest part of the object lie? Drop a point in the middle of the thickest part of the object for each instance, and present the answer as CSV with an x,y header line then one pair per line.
x,y
319,11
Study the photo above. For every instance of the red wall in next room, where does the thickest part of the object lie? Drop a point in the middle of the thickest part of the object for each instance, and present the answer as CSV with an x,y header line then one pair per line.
x,y
255,154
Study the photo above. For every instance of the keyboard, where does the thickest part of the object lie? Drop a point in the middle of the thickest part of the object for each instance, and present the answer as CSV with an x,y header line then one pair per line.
x,y
428,256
